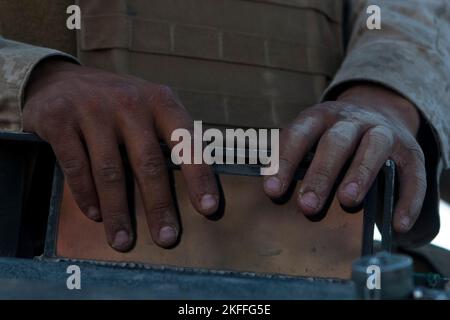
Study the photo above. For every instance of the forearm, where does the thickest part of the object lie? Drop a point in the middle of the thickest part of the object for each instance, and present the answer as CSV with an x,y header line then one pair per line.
x,y
409,56
17,62
385,101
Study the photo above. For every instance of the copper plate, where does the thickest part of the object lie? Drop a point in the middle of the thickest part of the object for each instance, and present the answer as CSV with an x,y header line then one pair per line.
x,y
254,235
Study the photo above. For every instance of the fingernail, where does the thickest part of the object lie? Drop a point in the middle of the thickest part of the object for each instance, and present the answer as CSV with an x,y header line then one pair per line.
x,y
352,190
93,213
310,200
405,222
167,236
121,240
273,185
208,202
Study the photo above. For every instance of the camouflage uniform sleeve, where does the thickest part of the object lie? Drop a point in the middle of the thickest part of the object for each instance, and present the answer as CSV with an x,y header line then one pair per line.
x,y
411,55
17,61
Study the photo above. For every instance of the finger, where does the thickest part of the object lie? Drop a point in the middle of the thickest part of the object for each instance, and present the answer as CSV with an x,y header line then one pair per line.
x,y
109,177
202,186
375,148
149,168
72,158
333,151
412,189
297,139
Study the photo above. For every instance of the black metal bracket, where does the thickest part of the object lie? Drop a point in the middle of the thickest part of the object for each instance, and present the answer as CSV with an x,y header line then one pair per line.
x,y
19,154
379,205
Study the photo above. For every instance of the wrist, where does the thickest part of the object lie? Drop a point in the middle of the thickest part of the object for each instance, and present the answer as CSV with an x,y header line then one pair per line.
x,y
48,71
385,101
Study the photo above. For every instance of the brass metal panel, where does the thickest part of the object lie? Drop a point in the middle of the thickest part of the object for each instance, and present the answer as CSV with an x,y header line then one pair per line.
x,y
254,235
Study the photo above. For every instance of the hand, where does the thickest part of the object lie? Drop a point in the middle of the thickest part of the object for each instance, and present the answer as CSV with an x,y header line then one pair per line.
x,y
367,125
86,114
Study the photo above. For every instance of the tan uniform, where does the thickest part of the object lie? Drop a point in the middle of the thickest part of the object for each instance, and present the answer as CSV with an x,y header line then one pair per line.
x,y
256,62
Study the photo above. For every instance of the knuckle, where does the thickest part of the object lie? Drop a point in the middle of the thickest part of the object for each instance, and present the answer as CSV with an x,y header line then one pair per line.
x,y
339,140
339,137
73,167
61,138
334,135
364,171
286,170
128,97
400,160
410,156
204,178
286,162
321,176
381,136
291,129
159,209
166,98
53,117
150,166
109,174
420,181
328,106
117,217
333,110
164,92
55,107
417,153
81,192
93,105
294,131
299,129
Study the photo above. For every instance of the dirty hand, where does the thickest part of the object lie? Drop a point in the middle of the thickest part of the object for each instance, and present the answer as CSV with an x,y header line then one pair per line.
x,y
86,115
366,125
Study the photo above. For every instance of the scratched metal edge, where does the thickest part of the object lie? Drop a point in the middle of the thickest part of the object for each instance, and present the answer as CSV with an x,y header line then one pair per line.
x,y
370,209
20,137
32,279
53,215
189,270
388,205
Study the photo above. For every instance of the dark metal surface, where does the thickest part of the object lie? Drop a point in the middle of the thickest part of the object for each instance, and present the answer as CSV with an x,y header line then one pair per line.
x,y
370,212
12,188
31,279
388,205
395,278
19,137
16,158
379,205
26,165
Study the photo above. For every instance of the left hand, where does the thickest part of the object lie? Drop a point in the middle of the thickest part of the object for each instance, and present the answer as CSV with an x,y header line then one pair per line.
x,y
368,124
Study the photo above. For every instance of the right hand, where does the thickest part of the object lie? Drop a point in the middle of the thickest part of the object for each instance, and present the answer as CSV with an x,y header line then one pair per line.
x,y
86,114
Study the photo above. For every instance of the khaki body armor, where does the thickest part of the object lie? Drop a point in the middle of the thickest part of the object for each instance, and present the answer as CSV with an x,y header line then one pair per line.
x,y
232,62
